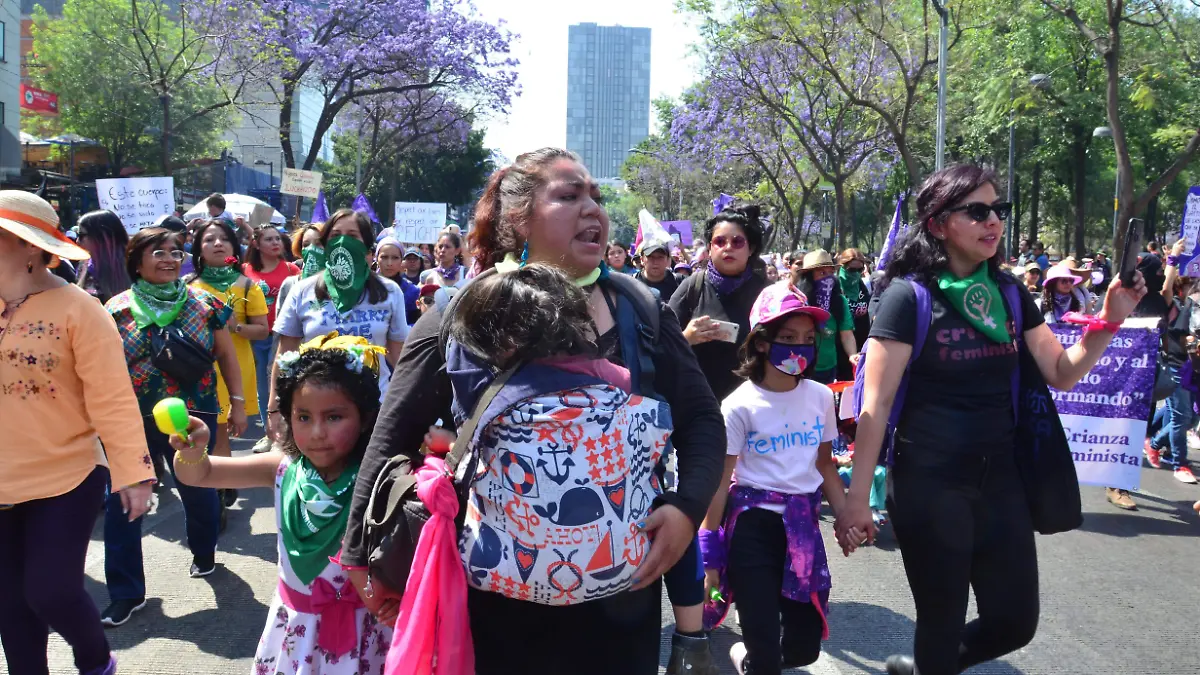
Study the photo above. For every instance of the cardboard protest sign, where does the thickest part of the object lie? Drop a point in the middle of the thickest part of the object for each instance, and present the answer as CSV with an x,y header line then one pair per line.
x,y
418,222
1189,261
1105,414
261,215
301,183
137,201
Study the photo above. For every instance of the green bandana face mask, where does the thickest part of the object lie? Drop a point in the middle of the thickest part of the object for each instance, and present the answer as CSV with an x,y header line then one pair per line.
x,y
220,278
346,271
314,261
977,298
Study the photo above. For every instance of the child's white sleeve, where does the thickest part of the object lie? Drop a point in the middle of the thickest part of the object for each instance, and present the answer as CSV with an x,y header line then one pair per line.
x,y
829,419
735,428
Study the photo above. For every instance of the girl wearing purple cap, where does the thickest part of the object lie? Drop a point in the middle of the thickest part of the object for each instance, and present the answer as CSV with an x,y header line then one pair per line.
x,y
780,426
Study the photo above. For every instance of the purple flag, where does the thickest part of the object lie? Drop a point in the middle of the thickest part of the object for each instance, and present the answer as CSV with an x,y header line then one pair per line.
x,y
894,230
720,203
363,206
320,212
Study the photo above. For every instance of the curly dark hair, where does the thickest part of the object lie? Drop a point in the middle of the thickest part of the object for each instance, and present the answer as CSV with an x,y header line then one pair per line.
x,y
534,312
921,254
753,363
749,218
327,368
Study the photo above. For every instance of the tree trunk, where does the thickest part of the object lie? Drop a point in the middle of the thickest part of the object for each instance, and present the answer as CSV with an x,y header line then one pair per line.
x,y
285,124
1035,198
165,137
853,223
839,215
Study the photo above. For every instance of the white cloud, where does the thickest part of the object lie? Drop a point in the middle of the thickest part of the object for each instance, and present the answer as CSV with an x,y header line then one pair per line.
x,y
539,116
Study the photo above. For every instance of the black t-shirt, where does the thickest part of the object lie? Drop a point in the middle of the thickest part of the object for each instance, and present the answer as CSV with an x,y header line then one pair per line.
x,y
666,287
960,386
718,359
1178,327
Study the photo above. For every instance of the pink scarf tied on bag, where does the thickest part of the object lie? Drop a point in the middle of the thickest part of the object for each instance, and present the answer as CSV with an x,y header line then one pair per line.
x,y
432,629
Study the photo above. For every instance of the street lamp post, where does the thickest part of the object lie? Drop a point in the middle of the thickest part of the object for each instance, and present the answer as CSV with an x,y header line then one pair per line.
x,y
943,39
270,167
1105,132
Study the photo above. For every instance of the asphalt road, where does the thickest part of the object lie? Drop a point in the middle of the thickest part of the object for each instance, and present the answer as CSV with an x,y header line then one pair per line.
x,y
1117,595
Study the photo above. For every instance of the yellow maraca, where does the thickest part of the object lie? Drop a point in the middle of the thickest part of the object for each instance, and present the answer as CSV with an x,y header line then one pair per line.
x,y
171,416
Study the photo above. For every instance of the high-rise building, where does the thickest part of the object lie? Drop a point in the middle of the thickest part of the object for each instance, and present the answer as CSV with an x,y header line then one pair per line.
x,y
608,94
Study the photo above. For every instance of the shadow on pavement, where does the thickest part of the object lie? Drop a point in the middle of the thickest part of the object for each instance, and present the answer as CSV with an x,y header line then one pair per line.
x,y
210,629
1180,521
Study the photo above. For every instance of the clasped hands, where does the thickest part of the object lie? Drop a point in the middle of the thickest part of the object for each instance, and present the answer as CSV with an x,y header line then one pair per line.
x,y
854,526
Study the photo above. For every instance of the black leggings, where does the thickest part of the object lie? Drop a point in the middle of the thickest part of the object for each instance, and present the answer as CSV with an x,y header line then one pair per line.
x,y
757,556
618,634
962,522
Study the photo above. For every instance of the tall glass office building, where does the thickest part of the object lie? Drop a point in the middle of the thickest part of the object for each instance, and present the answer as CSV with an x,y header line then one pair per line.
x,y
608,94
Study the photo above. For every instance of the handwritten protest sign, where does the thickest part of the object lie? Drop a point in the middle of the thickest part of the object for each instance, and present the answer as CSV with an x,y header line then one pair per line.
x,y
1189,261
418,222
1105,414
138,201
301,183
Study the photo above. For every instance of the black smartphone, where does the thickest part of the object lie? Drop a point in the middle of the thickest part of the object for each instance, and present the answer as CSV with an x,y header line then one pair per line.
x,y
1129,255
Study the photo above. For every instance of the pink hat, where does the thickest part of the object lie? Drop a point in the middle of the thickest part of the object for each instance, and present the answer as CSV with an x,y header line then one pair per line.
x,y
1061,271
781,299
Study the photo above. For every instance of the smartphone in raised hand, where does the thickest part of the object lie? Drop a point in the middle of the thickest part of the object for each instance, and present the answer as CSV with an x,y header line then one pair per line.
x,y
1129,254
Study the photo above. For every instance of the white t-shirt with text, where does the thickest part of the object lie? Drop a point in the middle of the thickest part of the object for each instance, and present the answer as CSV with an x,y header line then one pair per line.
x,y
776,435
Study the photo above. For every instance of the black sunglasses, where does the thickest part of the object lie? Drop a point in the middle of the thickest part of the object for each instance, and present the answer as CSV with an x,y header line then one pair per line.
x,y
978,211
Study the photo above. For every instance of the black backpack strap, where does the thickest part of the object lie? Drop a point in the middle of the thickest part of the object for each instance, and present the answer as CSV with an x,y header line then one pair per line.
x,y
638,319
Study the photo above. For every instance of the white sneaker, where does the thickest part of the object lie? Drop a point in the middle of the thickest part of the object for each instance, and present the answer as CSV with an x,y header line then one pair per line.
x,y
263,445
737,654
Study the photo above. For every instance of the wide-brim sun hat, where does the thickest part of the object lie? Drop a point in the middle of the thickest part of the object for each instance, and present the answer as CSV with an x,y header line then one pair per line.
x,y
815,259
1061,271
33,220
782,299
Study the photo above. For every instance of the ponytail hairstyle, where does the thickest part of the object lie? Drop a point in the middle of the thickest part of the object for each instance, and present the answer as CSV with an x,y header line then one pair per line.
x,y
921,254
104,237
507,204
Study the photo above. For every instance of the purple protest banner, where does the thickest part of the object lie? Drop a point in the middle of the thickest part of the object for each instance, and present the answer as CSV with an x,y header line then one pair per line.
x,y
1105,414
683,228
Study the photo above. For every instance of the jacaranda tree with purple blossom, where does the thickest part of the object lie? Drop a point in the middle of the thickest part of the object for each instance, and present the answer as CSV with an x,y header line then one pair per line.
x,y
351,51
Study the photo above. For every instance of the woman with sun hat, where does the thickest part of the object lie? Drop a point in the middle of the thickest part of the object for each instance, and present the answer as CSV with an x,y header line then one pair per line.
x,y
64,388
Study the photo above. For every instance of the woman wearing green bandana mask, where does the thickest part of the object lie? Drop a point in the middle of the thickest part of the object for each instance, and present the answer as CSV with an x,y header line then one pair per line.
x,y
218,264
546,208
346,296
955,498
159,298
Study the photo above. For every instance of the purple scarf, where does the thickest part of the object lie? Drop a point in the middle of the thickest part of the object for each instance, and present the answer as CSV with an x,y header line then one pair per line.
x,y
1062,305
449,274
823,292
726,285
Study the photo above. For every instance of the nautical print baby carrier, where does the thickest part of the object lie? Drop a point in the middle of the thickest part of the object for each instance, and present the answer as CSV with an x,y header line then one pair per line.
x,y
564,469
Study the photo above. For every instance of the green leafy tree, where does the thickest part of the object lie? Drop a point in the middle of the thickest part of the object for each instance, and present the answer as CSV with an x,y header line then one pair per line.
x,y
103,58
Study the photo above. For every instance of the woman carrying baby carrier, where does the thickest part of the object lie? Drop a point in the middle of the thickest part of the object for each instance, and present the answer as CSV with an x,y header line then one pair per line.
x,y
566,579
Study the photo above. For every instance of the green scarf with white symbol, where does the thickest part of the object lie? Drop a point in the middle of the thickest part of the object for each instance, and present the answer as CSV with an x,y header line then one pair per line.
x,y
977,298
346,271
314,516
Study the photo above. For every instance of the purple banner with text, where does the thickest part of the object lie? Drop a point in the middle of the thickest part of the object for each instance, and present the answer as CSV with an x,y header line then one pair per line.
x,y
1105,414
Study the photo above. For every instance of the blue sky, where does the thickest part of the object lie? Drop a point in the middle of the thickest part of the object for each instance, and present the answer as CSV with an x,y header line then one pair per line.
x,y
538,116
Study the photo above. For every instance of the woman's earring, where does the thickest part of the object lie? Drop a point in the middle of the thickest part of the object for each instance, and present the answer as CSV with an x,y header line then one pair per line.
x,y
525,254
29,267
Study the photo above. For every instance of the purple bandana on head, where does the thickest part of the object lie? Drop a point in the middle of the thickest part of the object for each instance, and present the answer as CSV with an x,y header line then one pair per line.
x,y
449,273
726,285
823,291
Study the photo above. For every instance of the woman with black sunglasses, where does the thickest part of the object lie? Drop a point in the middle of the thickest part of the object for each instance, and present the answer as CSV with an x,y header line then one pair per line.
x,y
955,498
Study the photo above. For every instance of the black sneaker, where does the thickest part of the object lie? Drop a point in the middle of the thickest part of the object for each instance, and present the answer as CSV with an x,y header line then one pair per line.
x,y
119,611
229,497
202,566
691,656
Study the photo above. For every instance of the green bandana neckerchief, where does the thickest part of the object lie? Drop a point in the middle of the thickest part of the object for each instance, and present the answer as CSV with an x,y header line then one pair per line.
x,y
314,516
977,298
850,282
346,271
157,304
220,278
314,261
